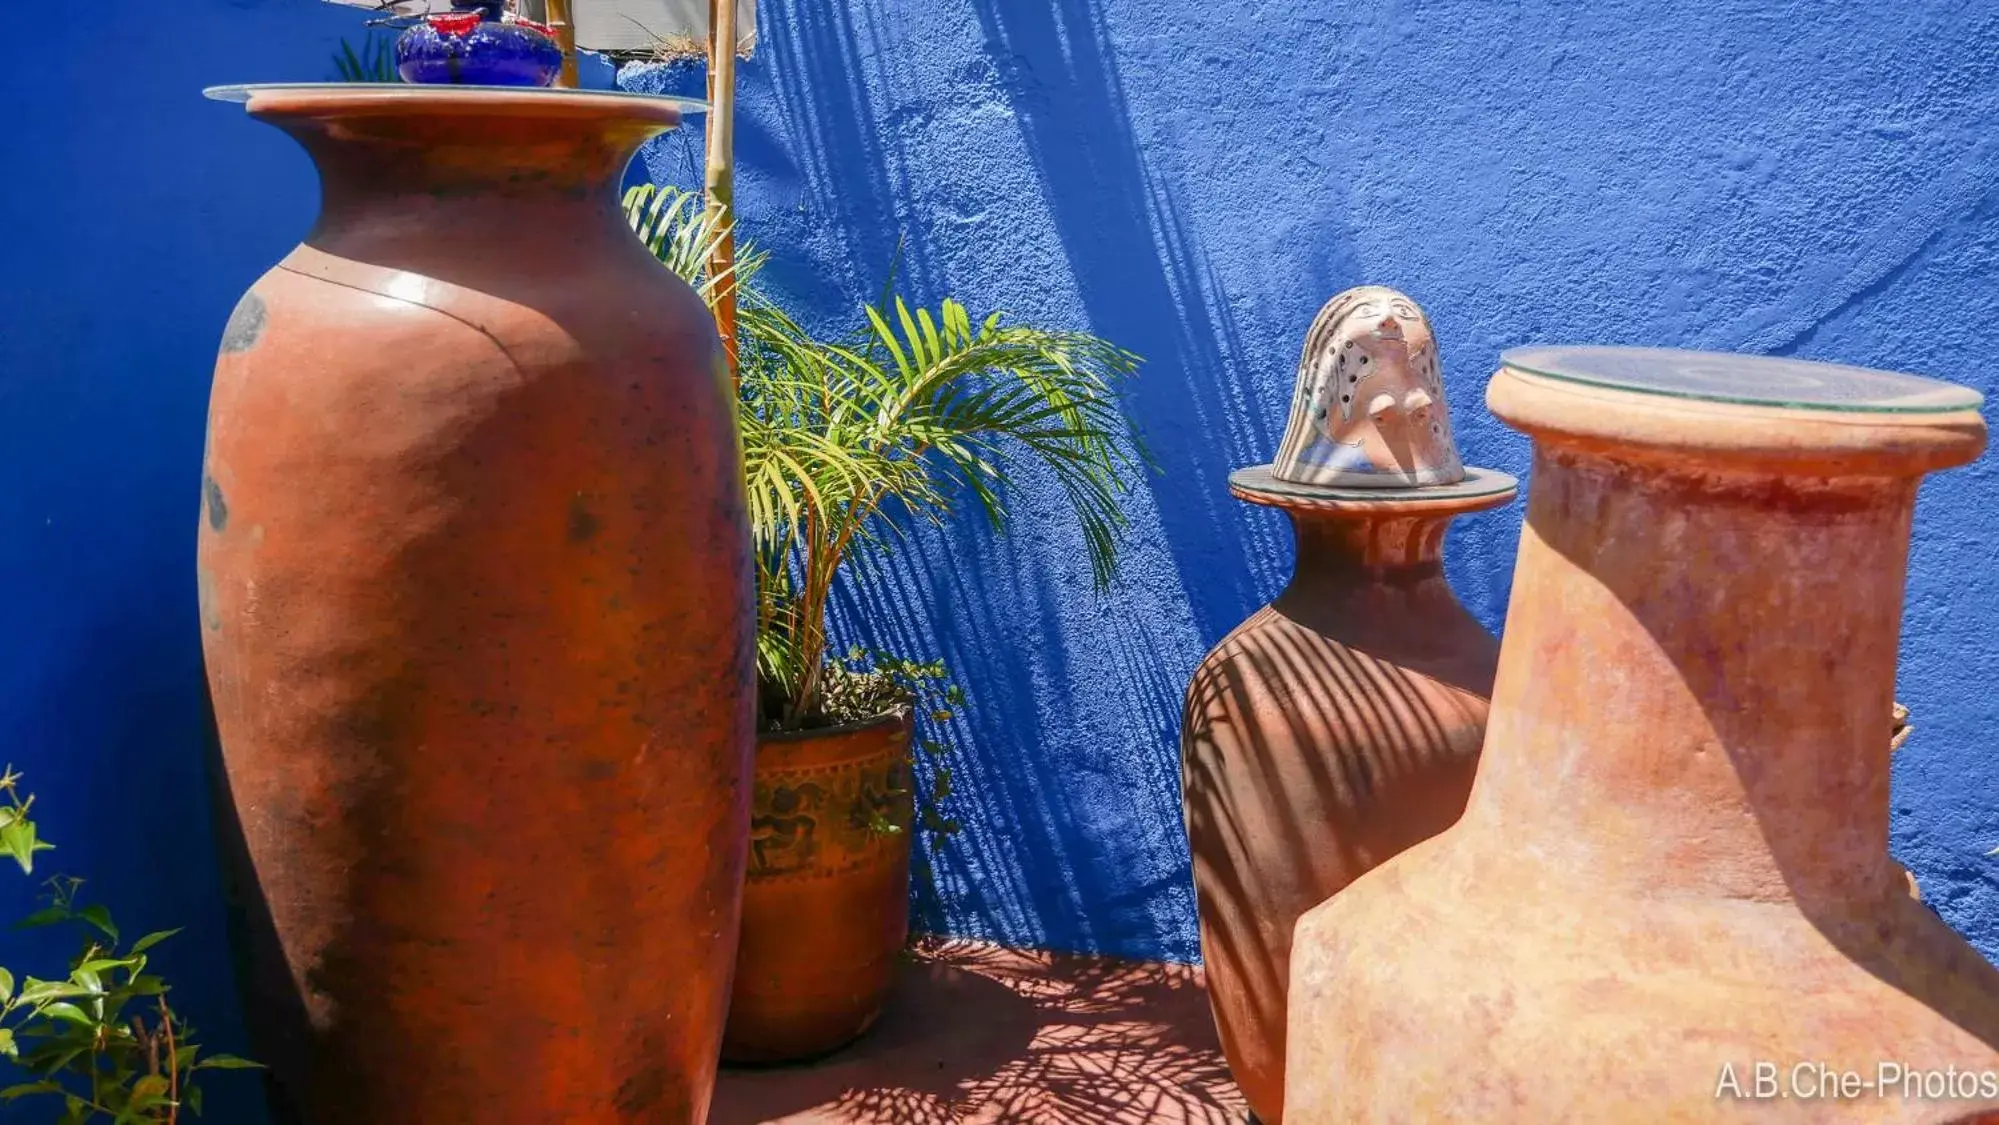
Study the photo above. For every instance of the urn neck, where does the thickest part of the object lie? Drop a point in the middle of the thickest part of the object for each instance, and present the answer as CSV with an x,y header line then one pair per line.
x,y
1342,546
1695,691
481,164
1380,578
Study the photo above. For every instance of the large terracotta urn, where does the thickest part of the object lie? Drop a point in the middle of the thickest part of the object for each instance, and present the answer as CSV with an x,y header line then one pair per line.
x,y
1340,724
477,609
1670,896
826,906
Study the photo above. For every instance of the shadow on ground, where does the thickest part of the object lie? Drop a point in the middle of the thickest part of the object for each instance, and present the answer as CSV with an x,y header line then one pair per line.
x,y
976,1033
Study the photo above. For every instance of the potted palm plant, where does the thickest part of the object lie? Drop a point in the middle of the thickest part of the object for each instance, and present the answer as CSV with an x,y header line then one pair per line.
x,y
845,442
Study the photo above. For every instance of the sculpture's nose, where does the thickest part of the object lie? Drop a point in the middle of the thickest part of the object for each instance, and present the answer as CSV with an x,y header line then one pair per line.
x,y
1414,405
1390,328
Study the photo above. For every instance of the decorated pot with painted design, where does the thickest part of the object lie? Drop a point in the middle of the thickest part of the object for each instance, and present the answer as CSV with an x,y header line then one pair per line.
x,y
477,608
826,904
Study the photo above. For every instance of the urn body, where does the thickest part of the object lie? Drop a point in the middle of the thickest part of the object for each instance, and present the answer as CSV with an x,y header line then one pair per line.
x,y
477,614
1334,728
1672,870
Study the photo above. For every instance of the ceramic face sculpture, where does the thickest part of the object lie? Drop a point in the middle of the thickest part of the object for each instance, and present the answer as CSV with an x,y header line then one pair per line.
x,y
1370,410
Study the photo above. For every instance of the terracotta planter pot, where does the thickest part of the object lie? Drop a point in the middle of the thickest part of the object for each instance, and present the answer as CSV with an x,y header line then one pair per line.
x,y
478,617
1337,726
1673,869
826,906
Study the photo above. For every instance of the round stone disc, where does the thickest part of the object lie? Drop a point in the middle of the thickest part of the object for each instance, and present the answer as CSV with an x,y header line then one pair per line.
x,y
1750,380
1481,488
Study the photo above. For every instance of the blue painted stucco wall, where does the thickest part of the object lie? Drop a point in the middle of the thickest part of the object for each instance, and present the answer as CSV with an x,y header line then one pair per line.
x,y
135,215
1189,179
1193,179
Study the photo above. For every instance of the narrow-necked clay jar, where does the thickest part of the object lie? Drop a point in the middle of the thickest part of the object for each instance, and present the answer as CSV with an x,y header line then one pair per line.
x,y
478,615
1339,724
1672,881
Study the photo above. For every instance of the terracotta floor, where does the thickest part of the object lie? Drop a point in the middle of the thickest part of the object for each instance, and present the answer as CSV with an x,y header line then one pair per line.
x,y
979,1034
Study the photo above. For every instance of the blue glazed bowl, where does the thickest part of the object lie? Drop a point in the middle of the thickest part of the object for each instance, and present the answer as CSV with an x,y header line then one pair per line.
x,y
470,46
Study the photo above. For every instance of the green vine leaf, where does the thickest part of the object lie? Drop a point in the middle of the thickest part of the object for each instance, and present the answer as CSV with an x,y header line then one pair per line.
x,y
48,916
24,1089
227,1062
151,940
68,1012
100,918
18,840
103,1042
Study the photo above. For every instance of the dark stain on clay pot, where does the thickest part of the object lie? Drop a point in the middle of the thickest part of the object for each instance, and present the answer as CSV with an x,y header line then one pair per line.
x,y
218,508
245,326
583,524
643,1091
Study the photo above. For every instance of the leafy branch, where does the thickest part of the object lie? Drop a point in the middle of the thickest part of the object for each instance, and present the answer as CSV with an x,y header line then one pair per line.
x,y
845,441
102,1040
869,683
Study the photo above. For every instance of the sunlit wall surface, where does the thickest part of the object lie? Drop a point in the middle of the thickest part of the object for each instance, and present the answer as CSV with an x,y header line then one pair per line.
x,y
1189,179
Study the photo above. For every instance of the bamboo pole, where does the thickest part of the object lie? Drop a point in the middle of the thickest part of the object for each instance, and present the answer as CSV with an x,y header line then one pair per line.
x,y
720,181
565,37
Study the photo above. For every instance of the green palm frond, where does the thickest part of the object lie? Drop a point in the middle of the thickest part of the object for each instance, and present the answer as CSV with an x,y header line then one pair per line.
x,y
681,232
981,399
374,62
845,441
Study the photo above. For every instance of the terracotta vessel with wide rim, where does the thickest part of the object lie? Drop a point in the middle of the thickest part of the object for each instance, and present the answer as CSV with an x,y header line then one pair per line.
x,y
478,617
1341,722
1672,880
1336,727
826,907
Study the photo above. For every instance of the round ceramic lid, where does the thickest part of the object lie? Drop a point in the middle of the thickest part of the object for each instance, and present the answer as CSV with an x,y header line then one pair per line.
x,y
415,91
1480,488
1751,380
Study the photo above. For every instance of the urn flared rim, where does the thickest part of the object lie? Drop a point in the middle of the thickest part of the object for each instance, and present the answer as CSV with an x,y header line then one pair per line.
x,y
1772,382
1770,418
1480,489
410,97
887,721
